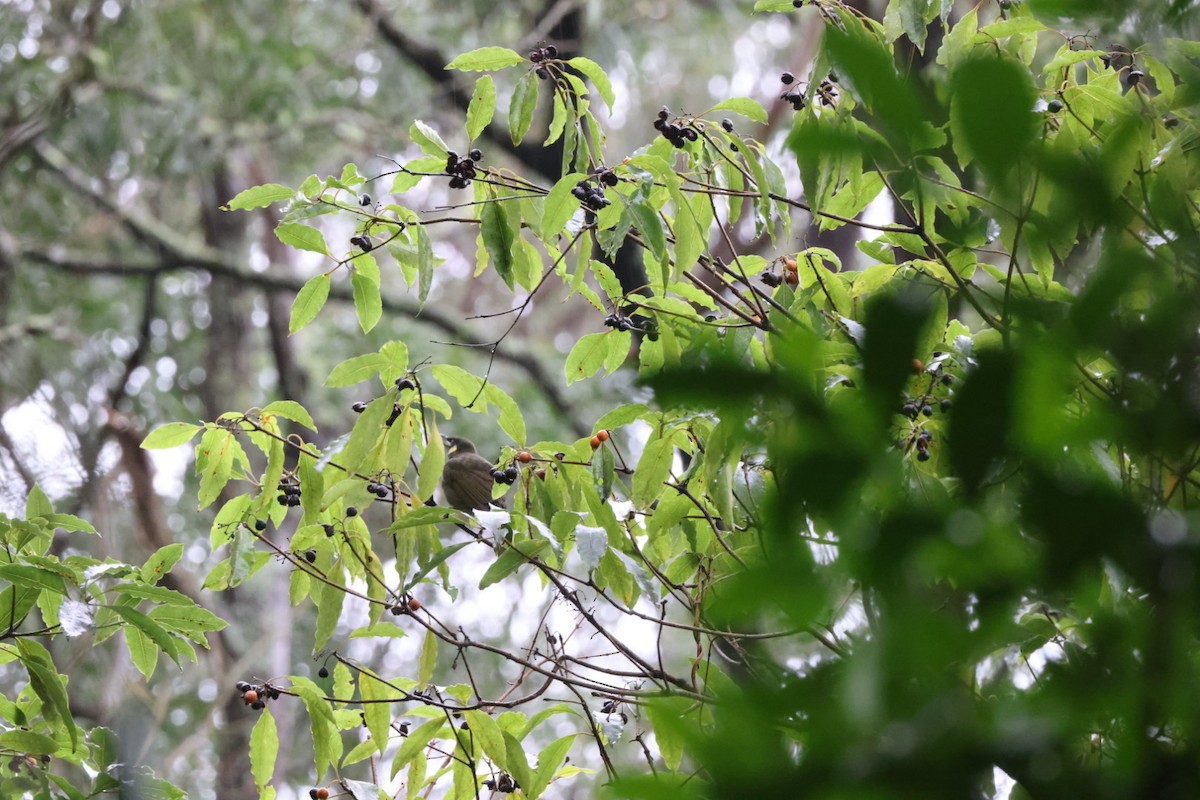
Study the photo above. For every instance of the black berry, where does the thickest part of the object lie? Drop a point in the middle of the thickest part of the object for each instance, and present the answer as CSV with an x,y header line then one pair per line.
x,y
323,673
510,474
922,455
328,529
260,525
927,410
1054,106
535,56
727,124
551,51
787,78
351,511
541,73
310,556
475,154
359,407
946,404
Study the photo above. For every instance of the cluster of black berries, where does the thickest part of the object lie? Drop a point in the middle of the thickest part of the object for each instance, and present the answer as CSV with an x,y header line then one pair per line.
x,y
827,92
363,242
540,54
923,440
289,491
379,490
256,695
462,170
507,475
793,94
676,134
621,322
592,196
503,783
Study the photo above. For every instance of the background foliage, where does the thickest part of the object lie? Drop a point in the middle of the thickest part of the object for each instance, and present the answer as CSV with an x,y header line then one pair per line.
x,y
885,488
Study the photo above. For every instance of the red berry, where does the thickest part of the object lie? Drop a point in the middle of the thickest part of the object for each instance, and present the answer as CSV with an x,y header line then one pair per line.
x,y
602,435
414,604
524,456
596,442
250,697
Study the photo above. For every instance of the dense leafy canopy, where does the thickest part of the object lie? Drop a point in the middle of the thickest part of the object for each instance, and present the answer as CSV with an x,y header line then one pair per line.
x,y
921,525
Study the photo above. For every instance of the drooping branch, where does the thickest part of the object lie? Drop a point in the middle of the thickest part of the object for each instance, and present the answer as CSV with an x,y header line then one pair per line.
x,y
530,365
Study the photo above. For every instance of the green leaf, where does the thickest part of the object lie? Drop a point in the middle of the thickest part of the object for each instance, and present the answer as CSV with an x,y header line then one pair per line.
x,y
47,684
550,760
416,741
748,108
991,113
215,457
498,239
666,715
482,107
37,504
485,59
521,107
433,459
290,409
32,577
264,748
512,559
428,139
357,369
309,302
15,604
259,196
33,744
774,5
368,301
518,765
490,737
159,564
428,658
302,237
327,741
329,595
376,708
649,225
142,651
653,468
559,206
172,434
153,631
597,76
586,357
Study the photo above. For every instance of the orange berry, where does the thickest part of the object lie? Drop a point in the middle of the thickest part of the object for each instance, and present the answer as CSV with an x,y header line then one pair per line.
x,y
322,793
918,365
790,264
602,435
250,696
414,604
541,473
524,456
596,442
791,278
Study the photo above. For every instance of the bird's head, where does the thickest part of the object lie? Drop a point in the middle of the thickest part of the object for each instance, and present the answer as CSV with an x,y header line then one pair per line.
x,y
456,445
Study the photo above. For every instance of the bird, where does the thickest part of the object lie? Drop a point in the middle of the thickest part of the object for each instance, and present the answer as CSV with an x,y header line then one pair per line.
x,y
467,477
